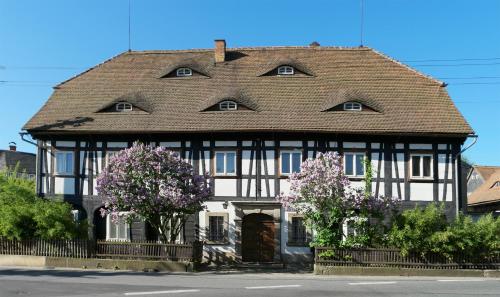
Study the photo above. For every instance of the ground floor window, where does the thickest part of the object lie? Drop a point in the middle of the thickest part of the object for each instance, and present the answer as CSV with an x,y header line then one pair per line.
x,y
298,233
216,231
118,230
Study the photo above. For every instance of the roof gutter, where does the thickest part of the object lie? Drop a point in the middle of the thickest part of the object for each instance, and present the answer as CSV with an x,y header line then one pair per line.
x,y
459,203
22,134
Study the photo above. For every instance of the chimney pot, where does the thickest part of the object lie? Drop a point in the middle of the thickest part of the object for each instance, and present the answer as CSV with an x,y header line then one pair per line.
x,y
220,50
12,146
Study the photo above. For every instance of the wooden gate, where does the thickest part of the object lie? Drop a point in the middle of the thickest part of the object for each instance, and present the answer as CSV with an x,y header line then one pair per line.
x,y
258,238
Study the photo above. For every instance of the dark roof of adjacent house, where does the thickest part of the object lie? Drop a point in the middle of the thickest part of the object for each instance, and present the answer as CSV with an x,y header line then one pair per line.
x,y
9,159
405,101
489,191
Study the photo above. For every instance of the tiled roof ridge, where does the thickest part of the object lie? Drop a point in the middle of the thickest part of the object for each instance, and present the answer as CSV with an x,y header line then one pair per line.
x,y
250,48
408,67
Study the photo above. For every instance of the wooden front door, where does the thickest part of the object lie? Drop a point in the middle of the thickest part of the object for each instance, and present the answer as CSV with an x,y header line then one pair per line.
x,y
258,238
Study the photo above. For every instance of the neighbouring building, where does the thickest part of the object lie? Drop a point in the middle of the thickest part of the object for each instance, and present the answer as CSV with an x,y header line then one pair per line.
x,y
25,162
250,116
483,190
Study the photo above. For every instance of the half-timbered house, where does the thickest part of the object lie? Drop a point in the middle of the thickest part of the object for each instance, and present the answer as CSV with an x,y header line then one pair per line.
x,y
249,116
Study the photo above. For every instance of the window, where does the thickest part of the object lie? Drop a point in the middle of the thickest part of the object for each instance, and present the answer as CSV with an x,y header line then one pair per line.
x,y
421,166
299,233
184,72
496,184
110,154
123,106
354,164
290,162
76,215
64,162
216,231
119,230
286,70
352,106
228,105
225,163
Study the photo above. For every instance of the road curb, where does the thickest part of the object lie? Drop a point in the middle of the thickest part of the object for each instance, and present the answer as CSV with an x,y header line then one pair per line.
x,y
394,271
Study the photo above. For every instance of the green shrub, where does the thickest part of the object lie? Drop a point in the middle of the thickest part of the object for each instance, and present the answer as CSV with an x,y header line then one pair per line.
x,y
426,231
23,215
412,230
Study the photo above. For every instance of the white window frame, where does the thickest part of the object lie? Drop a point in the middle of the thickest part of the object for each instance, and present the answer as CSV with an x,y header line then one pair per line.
x,y
431,169
108,228
290,161
228,105
286,70
353,106
184,71
123,107
225,173
72,164
354,168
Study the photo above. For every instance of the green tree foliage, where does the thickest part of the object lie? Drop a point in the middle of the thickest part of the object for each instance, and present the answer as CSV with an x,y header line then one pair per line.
x,y
23,215
426,231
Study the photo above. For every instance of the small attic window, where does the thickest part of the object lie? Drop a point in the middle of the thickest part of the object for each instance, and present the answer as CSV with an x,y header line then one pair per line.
x,y
123,106
352,106
228,105
286,70
181,72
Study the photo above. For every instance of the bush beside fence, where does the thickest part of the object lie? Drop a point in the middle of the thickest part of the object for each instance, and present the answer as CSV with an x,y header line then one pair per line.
x,y
369,257
82,248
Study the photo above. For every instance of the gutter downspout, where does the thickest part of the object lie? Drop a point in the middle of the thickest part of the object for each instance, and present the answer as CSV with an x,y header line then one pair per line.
x,y
38,166
459,175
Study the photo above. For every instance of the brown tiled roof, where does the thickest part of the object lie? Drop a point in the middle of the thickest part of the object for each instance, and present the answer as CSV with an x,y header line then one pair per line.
x,y
408,102
488,192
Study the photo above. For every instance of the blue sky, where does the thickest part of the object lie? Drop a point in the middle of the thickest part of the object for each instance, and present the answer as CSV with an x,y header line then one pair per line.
x,y
45,42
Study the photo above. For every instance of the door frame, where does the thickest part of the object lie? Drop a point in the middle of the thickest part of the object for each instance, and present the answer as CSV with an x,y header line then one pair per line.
x,y
272,209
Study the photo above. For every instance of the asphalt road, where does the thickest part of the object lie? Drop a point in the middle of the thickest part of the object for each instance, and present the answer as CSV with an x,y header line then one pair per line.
x,y
51,283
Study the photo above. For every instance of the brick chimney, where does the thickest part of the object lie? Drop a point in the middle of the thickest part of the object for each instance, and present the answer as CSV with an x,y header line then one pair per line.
x,y
12,146
220,50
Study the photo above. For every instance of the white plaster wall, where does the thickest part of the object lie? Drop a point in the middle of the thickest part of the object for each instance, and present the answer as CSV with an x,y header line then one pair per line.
x,y
64,185
442,166
399,146
66,143
284,186
381,189
245,163
264,188
401,165
449,193
395,190
217,206
291,143
269,162
244,186
421,192
206,161
420,146
225,187
226,143
173,144
333,144
354,145
375,145
122,144
246,143
375,165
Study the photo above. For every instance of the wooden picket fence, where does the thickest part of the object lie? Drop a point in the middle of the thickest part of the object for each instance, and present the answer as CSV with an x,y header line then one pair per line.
x,y
75,248
369,257
148,250
82,248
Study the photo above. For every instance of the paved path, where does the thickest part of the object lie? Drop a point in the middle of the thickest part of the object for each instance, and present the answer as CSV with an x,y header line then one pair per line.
x,y
53,283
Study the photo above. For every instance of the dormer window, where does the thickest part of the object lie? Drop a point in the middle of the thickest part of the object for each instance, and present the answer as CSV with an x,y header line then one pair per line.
x,y
228,105
123,106
181,72
286,70
352,106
